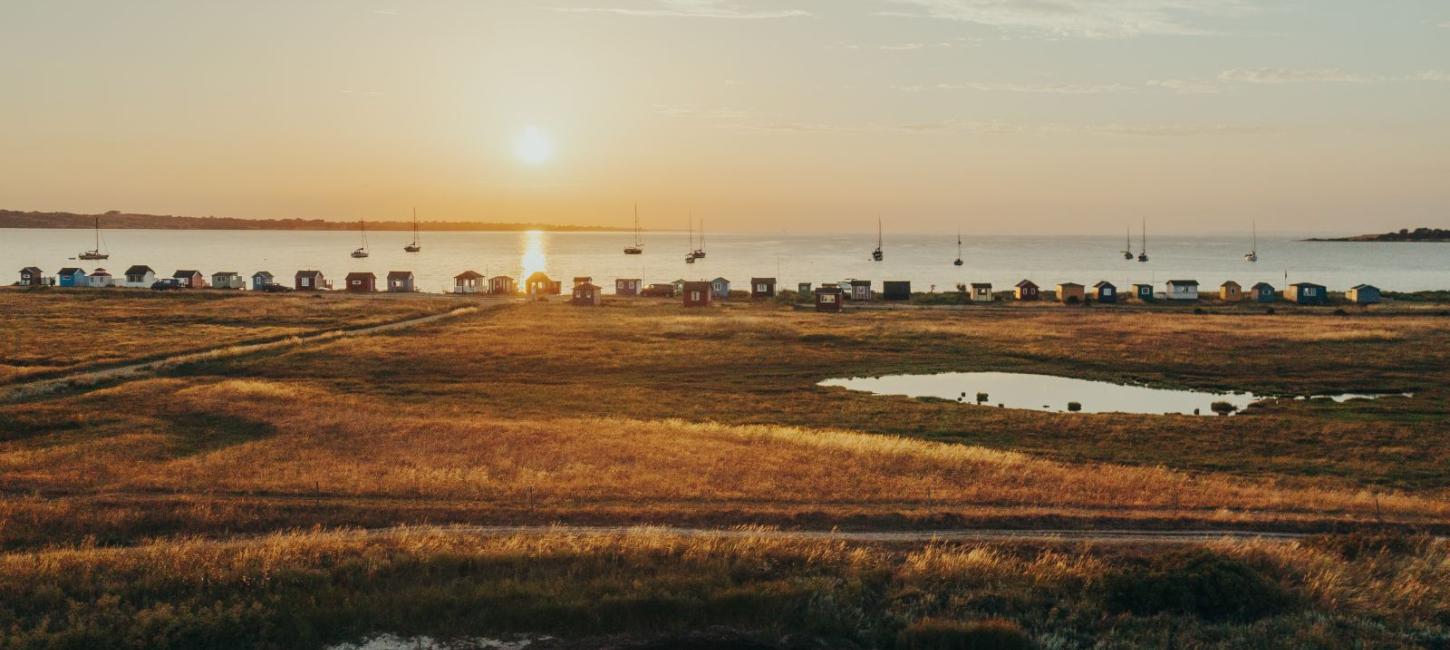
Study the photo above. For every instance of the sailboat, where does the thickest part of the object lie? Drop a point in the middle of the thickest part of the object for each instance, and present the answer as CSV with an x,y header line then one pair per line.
x,y
877,255
95,253
1128,246
415,246
1253,254
690,256
1143,252
363,250
958,261
638,247
699,253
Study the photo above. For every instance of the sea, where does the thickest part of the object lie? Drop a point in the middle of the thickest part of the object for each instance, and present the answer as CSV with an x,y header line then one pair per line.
x,y
923,259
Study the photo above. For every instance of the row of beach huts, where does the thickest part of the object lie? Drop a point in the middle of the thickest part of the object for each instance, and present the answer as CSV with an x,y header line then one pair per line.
x,y
828,296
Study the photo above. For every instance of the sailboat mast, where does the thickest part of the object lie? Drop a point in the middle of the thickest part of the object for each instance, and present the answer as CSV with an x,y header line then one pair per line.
x,y
98,234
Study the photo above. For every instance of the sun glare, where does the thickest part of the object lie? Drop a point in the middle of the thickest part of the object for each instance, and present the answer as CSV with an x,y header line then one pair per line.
x,y
533,146
533,257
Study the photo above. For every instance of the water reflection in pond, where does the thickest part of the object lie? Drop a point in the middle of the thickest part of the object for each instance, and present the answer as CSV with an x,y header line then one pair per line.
x,y
1049,393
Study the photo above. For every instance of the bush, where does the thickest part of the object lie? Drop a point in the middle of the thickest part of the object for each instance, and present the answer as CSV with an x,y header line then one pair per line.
x,y
1223,408
1074,406
981,397
942,634
1202,584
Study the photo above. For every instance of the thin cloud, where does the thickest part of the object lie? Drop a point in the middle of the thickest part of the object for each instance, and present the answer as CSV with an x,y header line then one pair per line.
x,y
1040,89
1290,75
1080,18
1186,86
911,47
692,9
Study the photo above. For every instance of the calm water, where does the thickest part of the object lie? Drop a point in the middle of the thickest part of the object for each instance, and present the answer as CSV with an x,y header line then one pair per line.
x,y
925,260
1049,393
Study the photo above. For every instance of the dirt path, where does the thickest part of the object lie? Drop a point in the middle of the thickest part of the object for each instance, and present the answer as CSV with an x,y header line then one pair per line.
x,y
84,378
1104,536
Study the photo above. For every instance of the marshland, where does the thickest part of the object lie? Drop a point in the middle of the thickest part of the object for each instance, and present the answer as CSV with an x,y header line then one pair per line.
x,y
223,501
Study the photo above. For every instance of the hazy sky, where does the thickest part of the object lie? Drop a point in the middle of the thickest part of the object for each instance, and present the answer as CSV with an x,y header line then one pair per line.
x,y
995,115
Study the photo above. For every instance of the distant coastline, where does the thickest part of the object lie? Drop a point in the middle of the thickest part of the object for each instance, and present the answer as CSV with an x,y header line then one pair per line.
x,y
115,220
1406,235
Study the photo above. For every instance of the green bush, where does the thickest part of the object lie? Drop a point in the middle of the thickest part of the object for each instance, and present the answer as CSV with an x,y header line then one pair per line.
x,y
1202,584
942,634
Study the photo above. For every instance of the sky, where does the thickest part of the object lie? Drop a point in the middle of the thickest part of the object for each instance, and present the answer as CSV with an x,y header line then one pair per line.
x,y
993,116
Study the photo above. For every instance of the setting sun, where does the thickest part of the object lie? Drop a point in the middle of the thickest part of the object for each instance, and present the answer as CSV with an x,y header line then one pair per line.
x,y
533,146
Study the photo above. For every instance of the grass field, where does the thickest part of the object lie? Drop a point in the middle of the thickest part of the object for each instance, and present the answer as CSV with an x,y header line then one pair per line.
x,y
55,330
643,413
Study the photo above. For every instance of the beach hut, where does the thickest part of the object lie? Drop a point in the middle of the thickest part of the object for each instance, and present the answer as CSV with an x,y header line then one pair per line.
x,y
502,285
1363,294
659,290
828,299
721,288
1143,292
1230,291
190,279
896,290
1105,292
228,280
803,289
310,281
697,294
140,276
679,286
101,278
1026,290
982,292
587,295
401,282
468,282
1306,293
582,279
539,284
31,276
860,290
1182,289
762,287
261,279
71,276
1070,293
361,282
627,286
1263,292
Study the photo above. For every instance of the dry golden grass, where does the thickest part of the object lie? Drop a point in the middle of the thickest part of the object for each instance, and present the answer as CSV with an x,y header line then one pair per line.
x,y
52,331
221,440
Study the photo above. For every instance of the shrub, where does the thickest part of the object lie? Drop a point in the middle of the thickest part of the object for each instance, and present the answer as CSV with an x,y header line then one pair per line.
x,y
981,397
1200,583
1223,408
942,634
1074,406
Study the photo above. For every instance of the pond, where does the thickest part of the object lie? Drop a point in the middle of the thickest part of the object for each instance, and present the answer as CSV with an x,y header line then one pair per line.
x,y
1050,393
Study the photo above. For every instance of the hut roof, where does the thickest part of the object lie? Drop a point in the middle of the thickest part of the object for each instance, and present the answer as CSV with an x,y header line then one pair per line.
x,y
263,274
1262,285
186,273
219,274
399,275
1185,283
100,272
720,280
358,275
1104,283
1230,283
1361,287
136,269
538,276
468,275
314,274
1069,285
71,270
981,285
760,280
1026,283
33,270
1306,284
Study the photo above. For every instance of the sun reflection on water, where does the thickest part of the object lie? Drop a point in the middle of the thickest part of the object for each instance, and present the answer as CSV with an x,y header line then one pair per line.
x,y
533,257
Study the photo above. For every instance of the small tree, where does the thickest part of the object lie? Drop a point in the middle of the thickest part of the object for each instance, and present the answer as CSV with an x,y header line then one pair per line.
x,y
981,398
1074,406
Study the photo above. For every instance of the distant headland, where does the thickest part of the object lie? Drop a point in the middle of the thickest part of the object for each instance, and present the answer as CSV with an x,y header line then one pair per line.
x,y
128,221
1405,234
